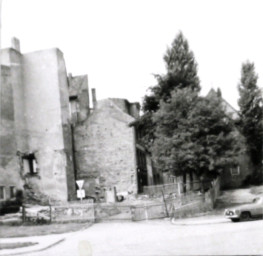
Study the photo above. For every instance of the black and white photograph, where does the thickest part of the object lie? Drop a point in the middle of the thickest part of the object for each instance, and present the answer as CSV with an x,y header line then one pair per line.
x,y
131,127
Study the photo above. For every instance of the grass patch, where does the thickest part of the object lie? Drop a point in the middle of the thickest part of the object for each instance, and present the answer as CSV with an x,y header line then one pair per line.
x,y
15,245
40,230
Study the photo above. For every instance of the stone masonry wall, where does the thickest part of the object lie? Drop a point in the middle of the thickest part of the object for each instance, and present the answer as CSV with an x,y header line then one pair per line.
x,y
105,150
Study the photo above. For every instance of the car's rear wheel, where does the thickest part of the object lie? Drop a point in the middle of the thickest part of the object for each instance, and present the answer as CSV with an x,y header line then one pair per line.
x,y
245,216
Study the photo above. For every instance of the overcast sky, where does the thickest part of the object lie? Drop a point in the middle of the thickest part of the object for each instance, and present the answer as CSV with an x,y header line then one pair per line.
x,y
121,43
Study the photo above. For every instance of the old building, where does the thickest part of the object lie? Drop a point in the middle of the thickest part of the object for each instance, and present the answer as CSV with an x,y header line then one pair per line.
x,y
50,136
35,140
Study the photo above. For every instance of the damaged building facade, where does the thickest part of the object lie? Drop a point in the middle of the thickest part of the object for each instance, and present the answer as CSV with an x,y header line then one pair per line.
x,y
50,136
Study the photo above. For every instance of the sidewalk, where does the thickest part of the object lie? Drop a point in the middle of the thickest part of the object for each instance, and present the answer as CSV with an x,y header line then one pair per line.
x,y
43,242
203,220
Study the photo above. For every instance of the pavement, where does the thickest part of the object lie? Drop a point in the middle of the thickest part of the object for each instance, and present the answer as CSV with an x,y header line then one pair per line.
x,y
215,217
49,241
203,220
43,243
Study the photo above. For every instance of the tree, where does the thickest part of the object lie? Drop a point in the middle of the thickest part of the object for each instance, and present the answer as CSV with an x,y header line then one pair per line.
x,y
250,103
181,73
193,135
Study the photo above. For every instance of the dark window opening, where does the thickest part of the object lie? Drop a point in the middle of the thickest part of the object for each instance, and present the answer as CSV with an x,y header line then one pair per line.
x,y
74,108
141,170
30,164
2,192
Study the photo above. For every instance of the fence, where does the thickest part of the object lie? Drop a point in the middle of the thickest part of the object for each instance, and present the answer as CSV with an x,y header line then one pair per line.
x,y
112,211
179,204
159,190
176,188
58,213
170,204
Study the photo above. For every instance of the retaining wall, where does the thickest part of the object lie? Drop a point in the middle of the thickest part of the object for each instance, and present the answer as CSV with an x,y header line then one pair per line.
x,y
58,213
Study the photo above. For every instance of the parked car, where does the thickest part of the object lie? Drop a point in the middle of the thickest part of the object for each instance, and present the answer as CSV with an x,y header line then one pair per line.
x,y
246,212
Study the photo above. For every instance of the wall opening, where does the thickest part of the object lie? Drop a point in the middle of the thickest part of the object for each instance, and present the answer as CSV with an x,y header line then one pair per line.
x,y
141,170
74,108
30,164
2,192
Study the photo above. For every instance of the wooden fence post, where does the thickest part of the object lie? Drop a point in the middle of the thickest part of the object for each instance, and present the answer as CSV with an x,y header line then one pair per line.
x,y
166,210
50,214
23,213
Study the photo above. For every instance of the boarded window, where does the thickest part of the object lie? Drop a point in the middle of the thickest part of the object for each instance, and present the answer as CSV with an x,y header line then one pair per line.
x,y
2,192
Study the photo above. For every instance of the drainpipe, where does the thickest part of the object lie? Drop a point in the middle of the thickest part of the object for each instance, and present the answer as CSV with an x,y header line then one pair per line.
x,y
73,154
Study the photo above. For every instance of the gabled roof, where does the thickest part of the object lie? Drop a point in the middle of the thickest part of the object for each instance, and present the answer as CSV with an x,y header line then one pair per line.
x,y
227,107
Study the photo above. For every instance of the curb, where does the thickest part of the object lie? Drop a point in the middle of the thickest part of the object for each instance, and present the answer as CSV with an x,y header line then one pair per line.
x,y
36,250
191,223
48,246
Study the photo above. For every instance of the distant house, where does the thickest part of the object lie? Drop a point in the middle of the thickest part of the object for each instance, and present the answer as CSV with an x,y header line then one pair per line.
x,y
237,175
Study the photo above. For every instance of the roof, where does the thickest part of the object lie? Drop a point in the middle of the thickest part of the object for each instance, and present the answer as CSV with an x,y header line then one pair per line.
x,y
227,107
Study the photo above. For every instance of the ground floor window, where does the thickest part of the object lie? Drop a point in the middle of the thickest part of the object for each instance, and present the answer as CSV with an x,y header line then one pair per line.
x,y
2,192
235,171
12,191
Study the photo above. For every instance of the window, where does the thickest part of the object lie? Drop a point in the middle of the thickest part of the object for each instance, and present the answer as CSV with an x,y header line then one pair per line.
x,y
2,192
12,191
235,171
74,108
30,164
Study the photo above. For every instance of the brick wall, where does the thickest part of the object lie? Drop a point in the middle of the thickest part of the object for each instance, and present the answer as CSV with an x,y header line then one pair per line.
x,y
105,149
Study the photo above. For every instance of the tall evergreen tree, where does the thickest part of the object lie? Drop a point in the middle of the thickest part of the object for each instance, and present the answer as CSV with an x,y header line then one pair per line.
x,y
251,113
181,73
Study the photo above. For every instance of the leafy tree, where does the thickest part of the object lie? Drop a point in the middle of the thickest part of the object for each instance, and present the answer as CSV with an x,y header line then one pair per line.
x,y
193,135
181,73
250,103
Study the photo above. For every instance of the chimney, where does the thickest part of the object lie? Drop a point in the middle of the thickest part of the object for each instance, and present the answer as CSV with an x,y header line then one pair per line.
x,y
15,44
69,79
94,100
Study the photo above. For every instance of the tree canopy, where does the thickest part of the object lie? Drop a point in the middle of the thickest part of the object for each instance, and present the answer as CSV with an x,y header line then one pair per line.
x,y
184,132
193,134
181,73
251,113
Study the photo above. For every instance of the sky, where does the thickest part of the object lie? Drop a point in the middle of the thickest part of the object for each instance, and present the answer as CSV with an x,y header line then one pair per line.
x,y
120,43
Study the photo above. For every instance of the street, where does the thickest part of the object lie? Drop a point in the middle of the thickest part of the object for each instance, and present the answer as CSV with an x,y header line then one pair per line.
x,y
161,237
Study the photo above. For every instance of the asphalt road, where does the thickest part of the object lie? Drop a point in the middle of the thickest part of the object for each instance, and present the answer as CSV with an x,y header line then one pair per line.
x,y
163,238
